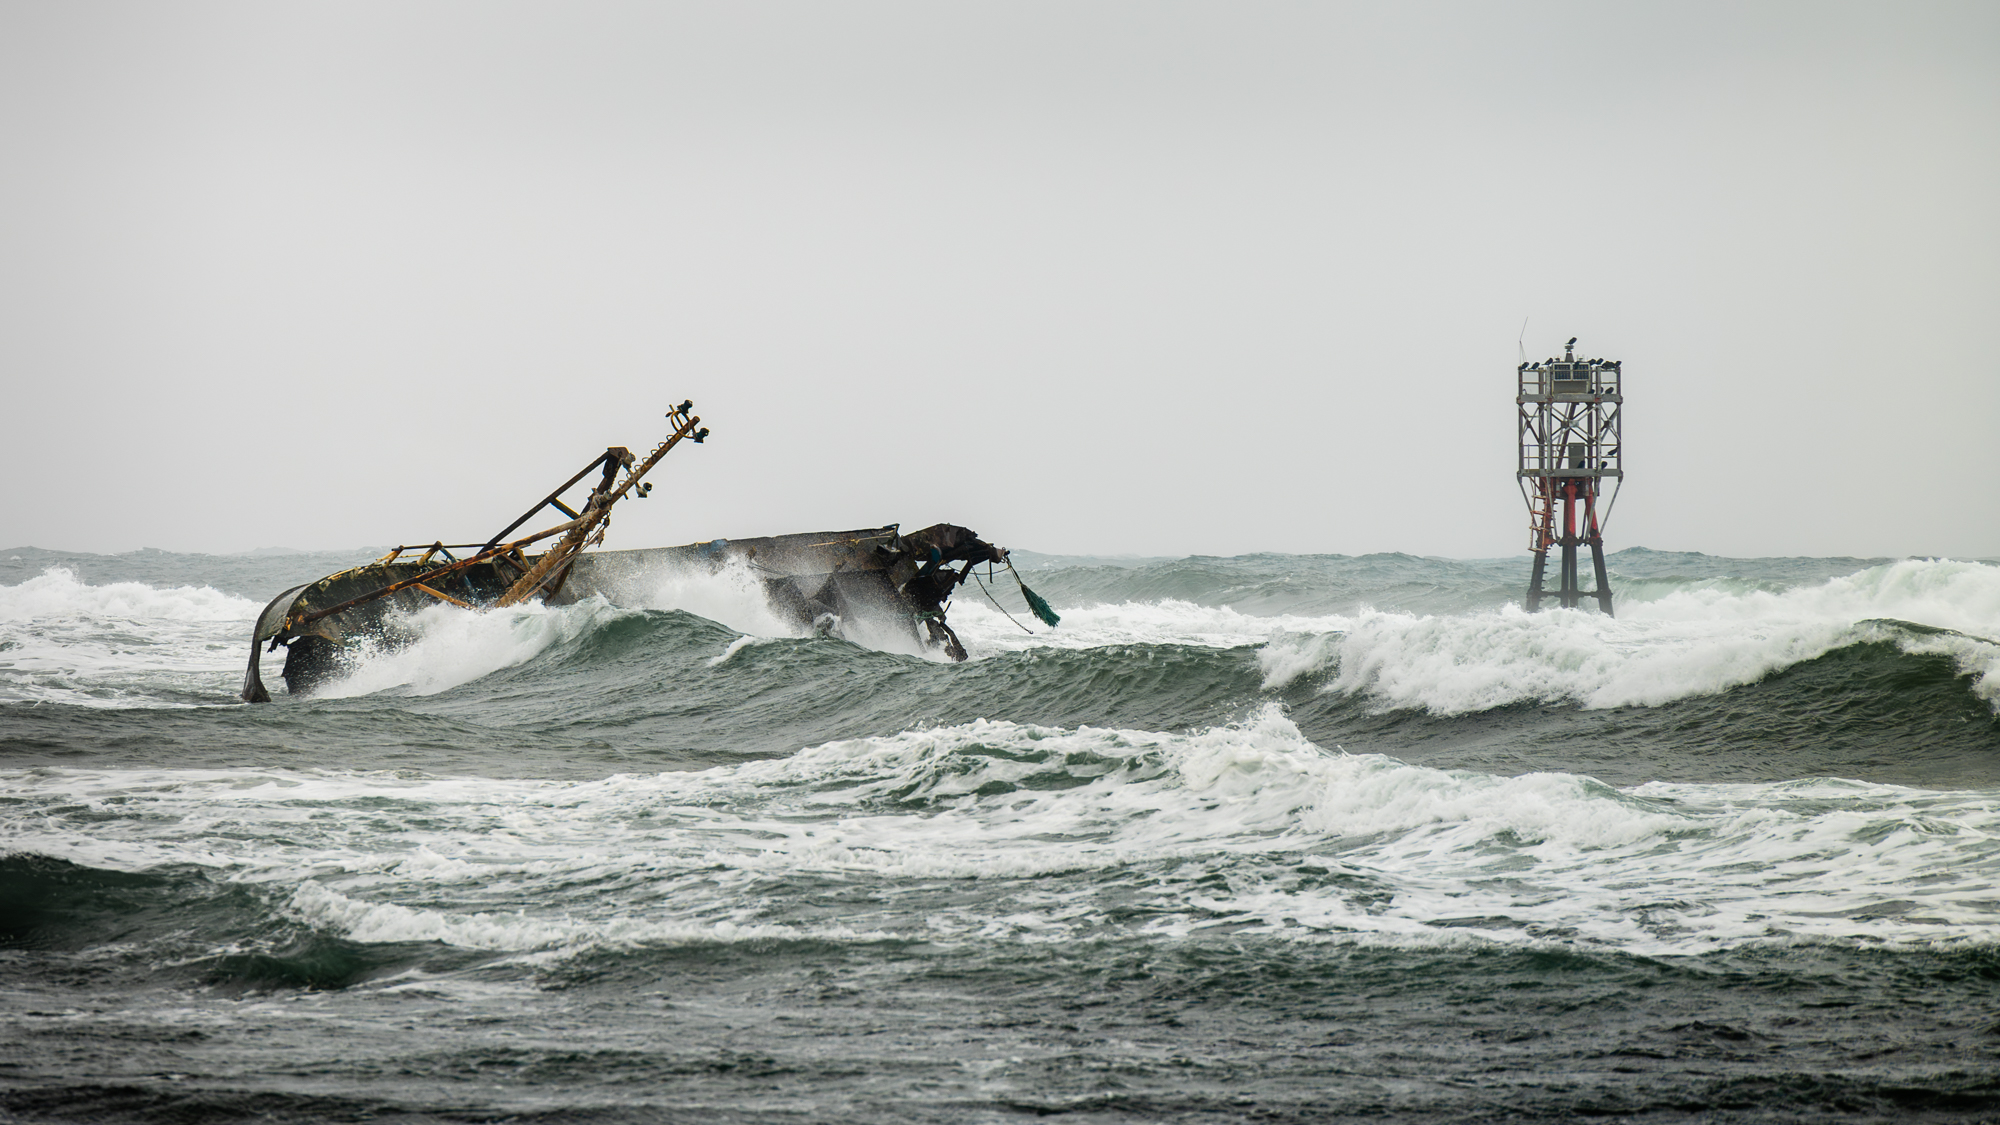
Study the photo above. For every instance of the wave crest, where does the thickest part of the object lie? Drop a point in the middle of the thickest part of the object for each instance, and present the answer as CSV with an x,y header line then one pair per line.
x,y
1692,641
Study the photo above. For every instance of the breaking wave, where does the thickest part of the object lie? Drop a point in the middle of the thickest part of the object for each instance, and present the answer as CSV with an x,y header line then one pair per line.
x,y
117,645
448,647
1685,642
57,595
1068,833
127,644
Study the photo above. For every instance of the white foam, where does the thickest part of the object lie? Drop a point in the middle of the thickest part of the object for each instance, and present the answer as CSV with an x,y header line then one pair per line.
x,y
56,594
1976,658
1017,832
733,595
122,644
1170,621
316,904
1691,642
448,647
736,646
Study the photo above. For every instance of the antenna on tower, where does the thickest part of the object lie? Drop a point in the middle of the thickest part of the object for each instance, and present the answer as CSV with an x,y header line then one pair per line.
x,y
1519,341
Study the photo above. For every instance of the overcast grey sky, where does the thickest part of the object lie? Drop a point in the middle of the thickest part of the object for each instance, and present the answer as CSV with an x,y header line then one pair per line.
x,y
1108,277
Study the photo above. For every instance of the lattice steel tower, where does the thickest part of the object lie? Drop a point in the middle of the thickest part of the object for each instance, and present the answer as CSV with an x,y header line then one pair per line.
x,y
1570,443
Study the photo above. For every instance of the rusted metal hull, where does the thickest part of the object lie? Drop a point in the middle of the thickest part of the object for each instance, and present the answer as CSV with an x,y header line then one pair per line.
x,y
878,573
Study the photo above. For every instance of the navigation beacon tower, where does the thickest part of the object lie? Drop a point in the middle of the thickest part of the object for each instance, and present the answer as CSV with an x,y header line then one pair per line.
x,y
1570,415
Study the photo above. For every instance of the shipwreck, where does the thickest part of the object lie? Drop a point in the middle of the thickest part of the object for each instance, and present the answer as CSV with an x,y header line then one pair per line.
x,y
809,580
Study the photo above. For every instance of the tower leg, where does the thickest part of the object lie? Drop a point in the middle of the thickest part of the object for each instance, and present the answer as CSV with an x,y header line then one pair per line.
x,y
1535,580
1570,594
1596,541
1603,580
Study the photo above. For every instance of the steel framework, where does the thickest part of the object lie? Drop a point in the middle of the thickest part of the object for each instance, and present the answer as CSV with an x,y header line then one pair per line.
x,y
1570,422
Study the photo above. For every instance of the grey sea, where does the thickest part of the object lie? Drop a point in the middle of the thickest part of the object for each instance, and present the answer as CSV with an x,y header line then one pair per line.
x,y
1272,838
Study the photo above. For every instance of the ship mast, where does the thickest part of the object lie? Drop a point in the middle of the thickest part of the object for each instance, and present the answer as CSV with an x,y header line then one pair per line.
x,y
587,529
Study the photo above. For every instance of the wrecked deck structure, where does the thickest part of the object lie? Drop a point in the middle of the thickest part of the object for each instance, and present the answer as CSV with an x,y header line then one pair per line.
x,y
808,579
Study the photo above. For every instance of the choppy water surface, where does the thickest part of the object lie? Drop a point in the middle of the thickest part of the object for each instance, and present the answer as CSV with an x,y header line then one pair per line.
x,y
1271,838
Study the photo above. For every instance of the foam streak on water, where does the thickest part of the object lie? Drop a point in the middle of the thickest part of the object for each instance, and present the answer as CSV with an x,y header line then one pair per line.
x,y
1249,827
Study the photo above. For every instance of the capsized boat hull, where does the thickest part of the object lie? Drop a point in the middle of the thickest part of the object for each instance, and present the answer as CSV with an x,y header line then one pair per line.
x,y
876,573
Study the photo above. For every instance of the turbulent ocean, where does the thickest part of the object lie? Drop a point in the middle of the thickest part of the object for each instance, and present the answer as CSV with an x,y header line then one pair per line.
x,y
1275,838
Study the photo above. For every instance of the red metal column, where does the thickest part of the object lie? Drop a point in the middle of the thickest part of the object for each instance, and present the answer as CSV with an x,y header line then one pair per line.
x,y
1569,595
